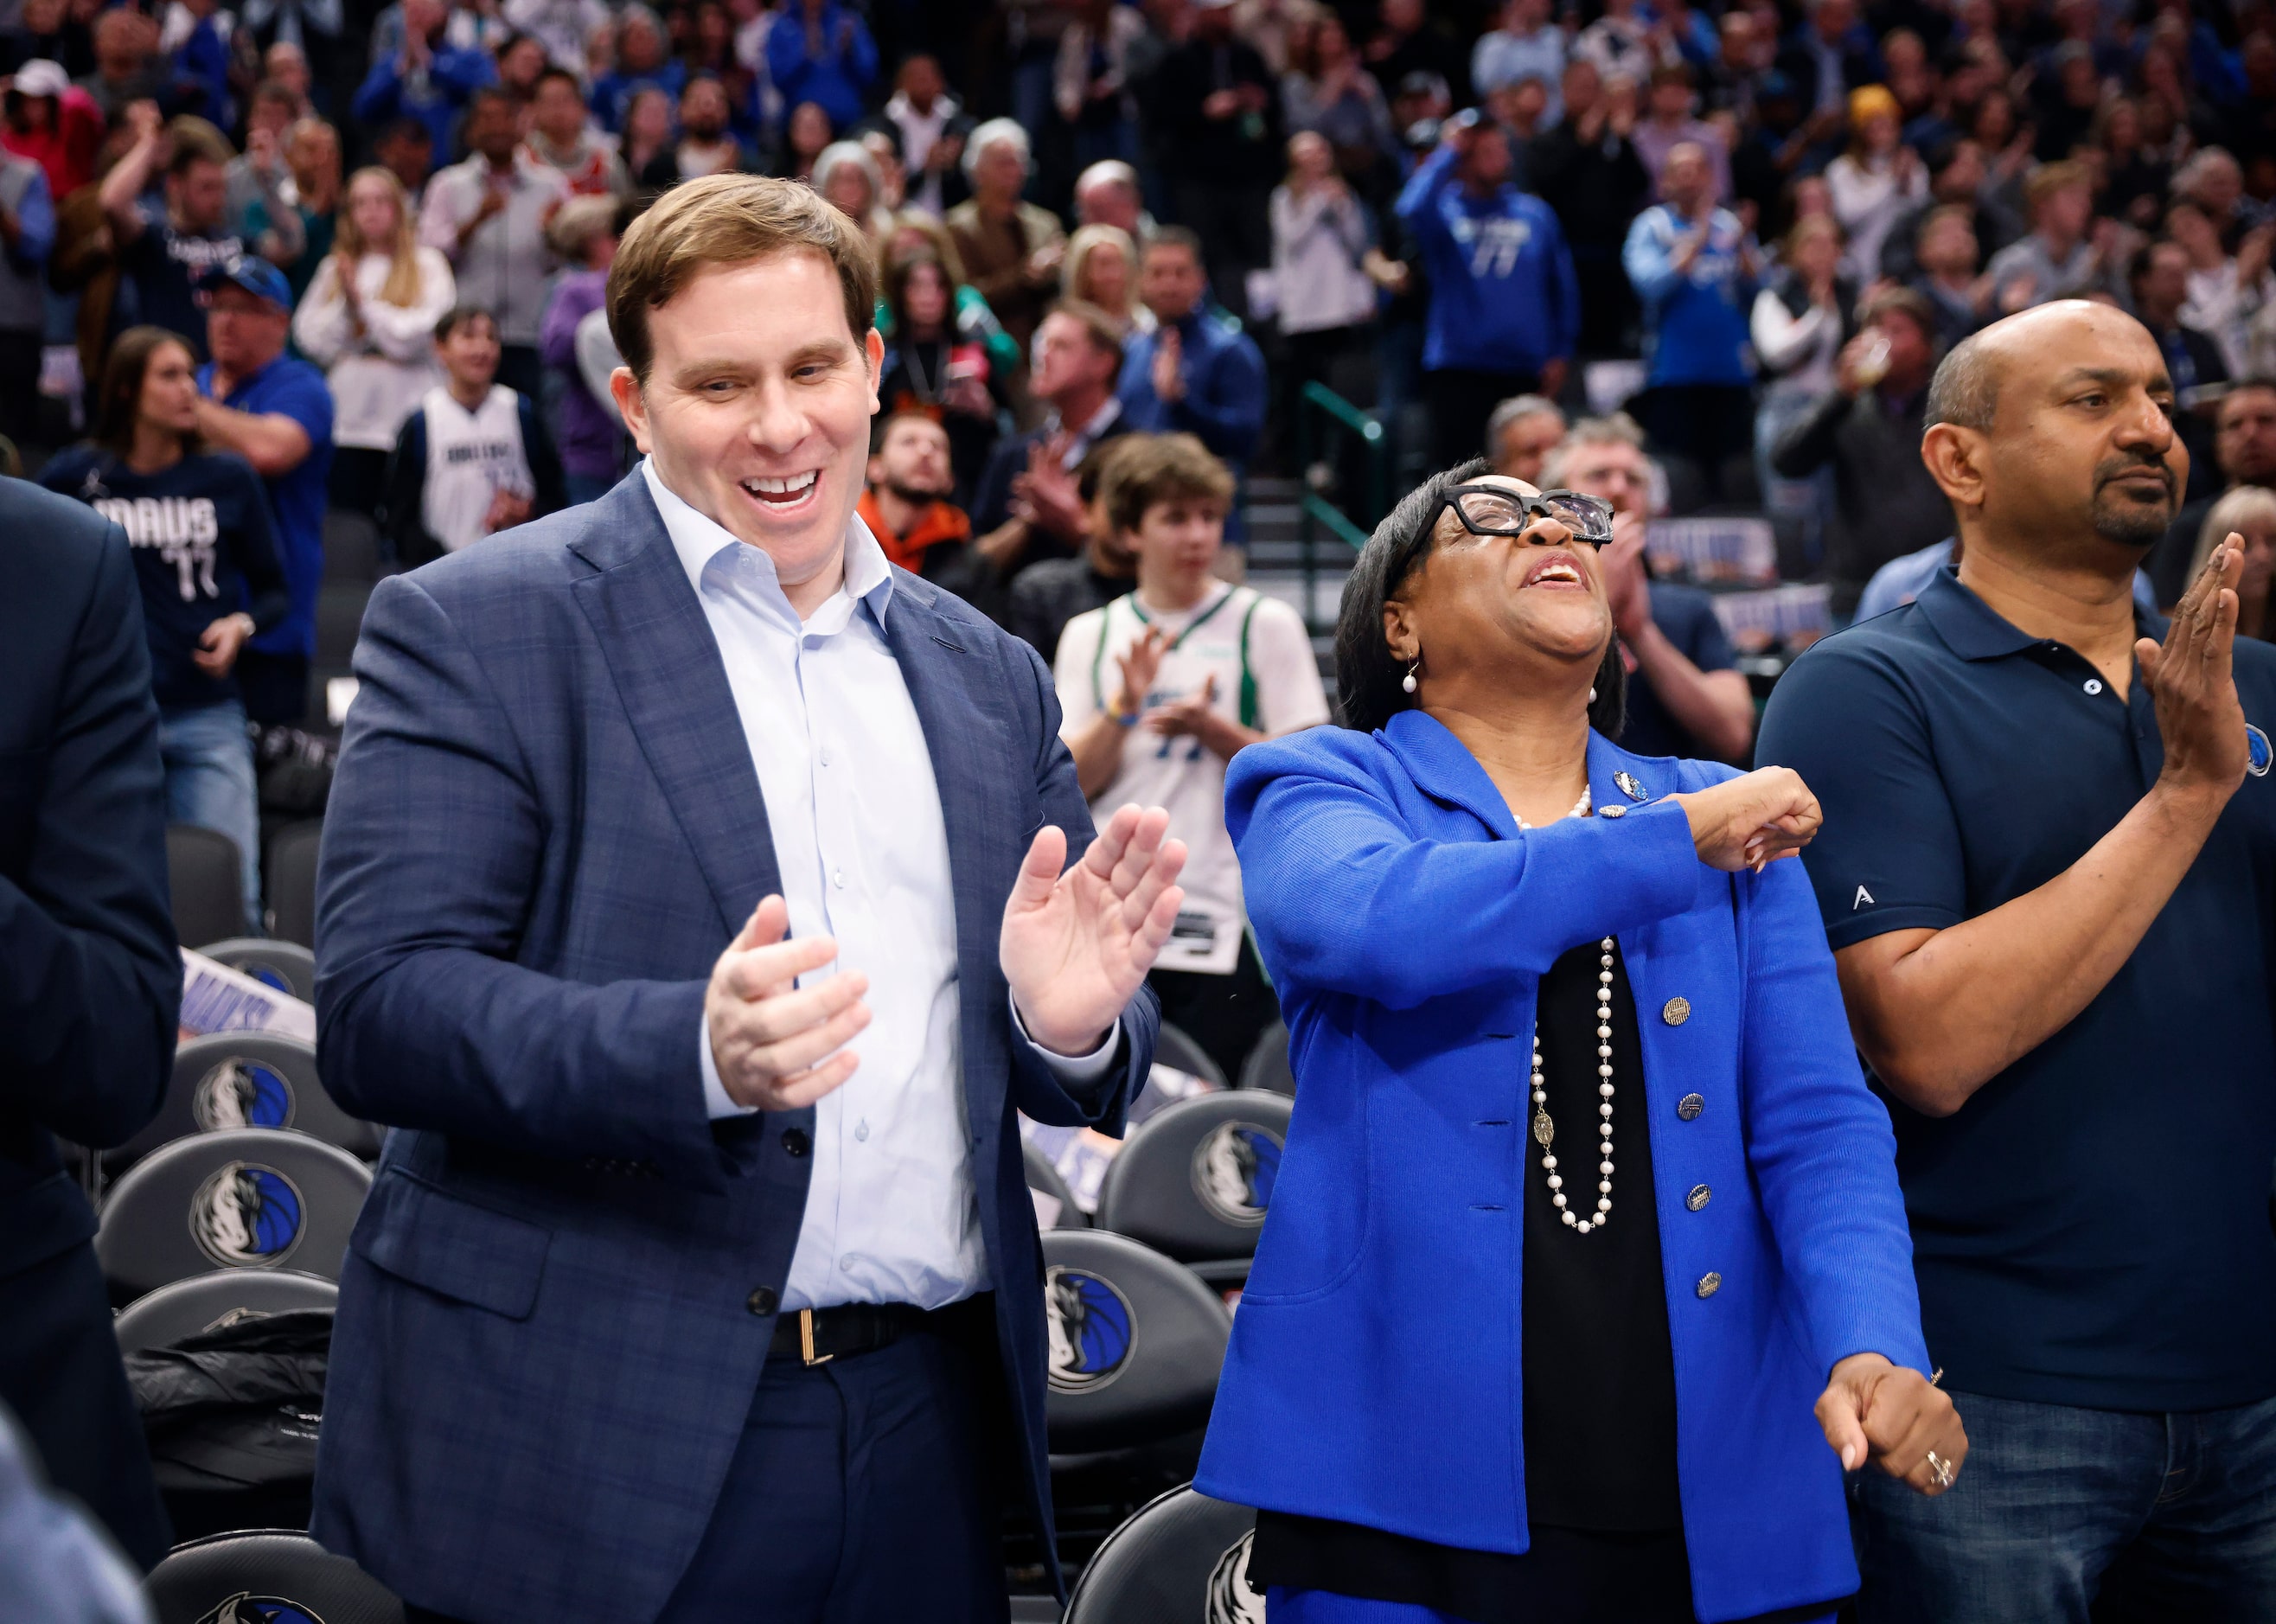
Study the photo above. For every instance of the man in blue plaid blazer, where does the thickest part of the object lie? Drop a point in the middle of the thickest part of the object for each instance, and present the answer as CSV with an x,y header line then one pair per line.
x,y
701,1281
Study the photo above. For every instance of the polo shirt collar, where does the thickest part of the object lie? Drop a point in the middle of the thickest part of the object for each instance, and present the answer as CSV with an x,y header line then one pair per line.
x,y
1973,631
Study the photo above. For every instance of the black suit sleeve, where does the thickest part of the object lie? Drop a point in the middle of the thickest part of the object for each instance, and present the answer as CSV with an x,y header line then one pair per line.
x,y
90,975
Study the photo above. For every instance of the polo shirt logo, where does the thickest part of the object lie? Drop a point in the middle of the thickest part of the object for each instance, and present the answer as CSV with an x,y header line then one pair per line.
x,y
1863,897
2257,756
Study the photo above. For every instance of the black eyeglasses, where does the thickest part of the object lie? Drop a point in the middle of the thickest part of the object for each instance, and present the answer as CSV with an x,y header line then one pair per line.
x,y
1496,510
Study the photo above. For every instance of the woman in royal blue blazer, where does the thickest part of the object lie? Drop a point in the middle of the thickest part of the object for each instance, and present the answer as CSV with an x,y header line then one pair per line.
x,y
1585,1203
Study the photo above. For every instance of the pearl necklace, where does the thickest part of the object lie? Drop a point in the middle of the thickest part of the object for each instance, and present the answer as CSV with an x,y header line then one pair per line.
x,y
1545,1130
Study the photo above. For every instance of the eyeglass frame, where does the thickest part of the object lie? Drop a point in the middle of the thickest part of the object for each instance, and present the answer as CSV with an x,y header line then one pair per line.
x,y
1535,507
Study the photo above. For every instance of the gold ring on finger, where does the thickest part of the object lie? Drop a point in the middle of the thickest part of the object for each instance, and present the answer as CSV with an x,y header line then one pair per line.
x,y
1940,1469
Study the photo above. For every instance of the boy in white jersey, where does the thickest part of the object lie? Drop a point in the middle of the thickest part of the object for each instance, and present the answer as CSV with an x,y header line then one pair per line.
x,y
1159,688
475,458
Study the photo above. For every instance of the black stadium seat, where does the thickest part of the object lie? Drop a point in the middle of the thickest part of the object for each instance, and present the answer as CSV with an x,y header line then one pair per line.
x,y
286,966
204,873
1054,1206
350,548
274,1576
256,1197
204,1300
1173,1049
233,1080
1195,1182
339,620
1136,1342
1182,1560
1268,1066
290,886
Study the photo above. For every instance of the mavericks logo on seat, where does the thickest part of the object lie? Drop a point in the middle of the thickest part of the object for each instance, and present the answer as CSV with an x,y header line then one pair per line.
x,y
1234,1168
246,1608
247,1214
1230,1601
242,1093
1090,1329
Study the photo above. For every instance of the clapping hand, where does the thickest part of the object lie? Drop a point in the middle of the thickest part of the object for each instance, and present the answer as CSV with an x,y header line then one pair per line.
x,y
1189,716
779,1046
1076,944
1141,663
1169,352
2193,683
1896,1418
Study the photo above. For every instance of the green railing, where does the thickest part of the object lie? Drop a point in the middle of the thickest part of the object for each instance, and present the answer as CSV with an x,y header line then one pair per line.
x,y
1330,430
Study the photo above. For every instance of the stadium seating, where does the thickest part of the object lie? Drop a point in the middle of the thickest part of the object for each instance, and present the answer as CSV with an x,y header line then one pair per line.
x,y
1054,1203
1195,1182
1136,1342
1173,1048
290,885
233,1080
274,1576
1268,1066
286,966
351,550
259,1197
204,873
199,1303
1184,1556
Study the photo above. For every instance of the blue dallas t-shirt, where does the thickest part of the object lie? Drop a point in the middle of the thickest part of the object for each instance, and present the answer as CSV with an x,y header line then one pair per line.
x,y
204,547
290,387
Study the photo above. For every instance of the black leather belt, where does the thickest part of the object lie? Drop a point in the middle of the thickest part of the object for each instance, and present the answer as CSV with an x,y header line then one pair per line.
x,y
816,1336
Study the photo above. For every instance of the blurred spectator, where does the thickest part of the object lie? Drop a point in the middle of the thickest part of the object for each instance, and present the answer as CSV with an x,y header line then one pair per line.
x,y
2243,453
194,41
1325,91
1108,194
1587,170
520,60
2066,92
975,322
1028,505
285,64
28,236
1875,181
486,217
1010,249
273,410
821,51
425,77
1197,372
1695,268
312,159
1220,114
407,149
1831,55
1868,430
907,506
1102,270
1746,50
1159,689
1505,304
161,253
53,123
882,144
56,1563
2135,178
473,458
805,133
207,562
1671,120
641,63
561,137
260,175
2250,512
2158,278
1519,435
936,362
1524,44
392,29
1685,695
848,177
650,122
933,128
706,146
1053,591
1321,233
1090,82
369,320
1957,179
2225,290
2057,260
1947,276
46,31
1799,325
561,26
1409,40
1623,43
124,72
587,431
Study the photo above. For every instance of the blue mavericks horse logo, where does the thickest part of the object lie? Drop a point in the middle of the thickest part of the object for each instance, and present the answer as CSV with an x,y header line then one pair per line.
x,y
242,1093
2256,754
1235,1167
247,1214
1090,1329
246,1608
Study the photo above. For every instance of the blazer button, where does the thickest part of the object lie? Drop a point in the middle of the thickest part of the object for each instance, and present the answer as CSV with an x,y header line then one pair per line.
x,y
1709,1283
1676,1011
762,1302
1700,1196
795,1141
1690,1107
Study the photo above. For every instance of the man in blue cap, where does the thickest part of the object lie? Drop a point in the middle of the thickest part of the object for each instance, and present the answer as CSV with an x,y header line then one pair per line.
x,y
273,410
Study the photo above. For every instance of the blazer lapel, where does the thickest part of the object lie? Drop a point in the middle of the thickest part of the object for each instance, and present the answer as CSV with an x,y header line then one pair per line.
x,y
673,685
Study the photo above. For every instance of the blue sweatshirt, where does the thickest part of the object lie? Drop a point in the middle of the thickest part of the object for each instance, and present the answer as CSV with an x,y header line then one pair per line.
x,y
1223,375
204,547
1503,295
1695,323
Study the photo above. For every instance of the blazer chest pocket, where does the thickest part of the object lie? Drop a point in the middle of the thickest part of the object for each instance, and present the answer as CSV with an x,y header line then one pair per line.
x,y
453,1248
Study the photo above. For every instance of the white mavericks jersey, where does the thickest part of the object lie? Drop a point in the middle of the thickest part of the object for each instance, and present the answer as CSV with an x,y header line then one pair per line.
x,y
470,456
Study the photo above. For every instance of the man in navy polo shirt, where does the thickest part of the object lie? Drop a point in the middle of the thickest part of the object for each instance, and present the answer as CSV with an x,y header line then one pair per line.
x,y
2048,871
273,410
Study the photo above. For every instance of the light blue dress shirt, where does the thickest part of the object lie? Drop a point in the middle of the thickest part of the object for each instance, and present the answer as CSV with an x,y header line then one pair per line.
x,y
846,777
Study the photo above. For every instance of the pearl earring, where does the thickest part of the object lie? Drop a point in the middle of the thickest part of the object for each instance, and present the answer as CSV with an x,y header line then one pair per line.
x,y
1592,696
1410,684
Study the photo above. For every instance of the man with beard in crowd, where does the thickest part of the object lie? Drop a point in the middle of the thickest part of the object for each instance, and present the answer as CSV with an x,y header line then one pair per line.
x,y
907,506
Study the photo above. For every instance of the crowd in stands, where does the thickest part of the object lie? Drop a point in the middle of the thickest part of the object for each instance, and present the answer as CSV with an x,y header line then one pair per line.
x,y
374,242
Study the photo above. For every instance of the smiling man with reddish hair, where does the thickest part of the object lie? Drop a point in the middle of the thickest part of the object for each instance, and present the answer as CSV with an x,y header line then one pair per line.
x,y
705,1278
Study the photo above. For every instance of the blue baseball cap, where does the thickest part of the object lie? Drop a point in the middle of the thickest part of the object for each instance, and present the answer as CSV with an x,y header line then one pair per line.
x,y
256,277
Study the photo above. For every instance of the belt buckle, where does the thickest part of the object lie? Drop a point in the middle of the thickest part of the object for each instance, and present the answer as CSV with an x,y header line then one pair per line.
x,y
806,1340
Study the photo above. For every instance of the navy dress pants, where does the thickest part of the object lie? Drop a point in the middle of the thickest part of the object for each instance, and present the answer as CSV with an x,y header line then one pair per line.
x,y
861,1493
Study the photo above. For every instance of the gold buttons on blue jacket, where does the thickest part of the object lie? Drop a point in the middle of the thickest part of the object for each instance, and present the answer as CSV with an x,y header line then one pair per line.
x,y
1709,1283
1690,1107
1700,1196
1676,1011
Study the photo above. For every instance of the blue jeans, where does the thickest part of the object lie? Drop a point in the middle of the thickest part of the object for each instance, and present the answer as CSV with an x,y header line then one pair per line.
x,y
210,783
2159,1516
